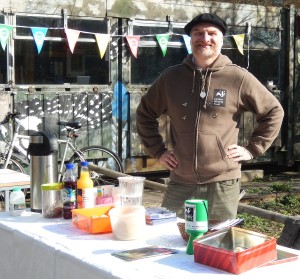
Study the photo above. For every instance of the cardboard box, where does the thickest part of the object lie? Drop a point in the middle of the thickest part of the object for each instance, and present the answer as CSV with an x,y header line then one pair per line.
x,y
234,250
93,220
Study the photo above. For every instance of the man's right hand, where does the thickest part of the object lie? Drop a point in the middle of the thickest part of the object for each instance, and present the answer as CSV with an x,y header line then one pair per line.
x,y
168,160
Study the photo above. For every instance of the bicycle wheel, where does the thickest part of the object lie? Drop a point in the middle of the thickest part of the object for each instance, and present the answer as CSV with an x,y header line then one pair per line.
x,y
102,157
14,164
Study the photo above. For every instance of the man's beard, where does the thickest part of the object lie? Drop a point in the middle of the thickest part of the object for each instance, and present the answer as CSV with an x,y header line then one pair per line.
x,y
207,53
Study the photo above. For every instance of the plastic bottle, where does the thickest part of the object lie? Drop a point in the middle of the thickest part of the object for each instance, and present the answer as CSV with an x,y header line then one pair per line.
x,y
69,191
85,190
17,203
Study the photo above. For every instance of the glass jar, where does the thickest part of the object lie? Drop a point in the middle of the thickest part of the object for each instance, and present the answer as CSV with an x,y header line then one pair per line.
x,y
52,203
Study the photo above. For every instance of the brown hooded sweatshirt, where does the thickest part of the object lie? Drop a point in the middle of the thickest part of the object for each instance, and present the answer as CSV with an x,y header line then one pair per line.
x,y
205,108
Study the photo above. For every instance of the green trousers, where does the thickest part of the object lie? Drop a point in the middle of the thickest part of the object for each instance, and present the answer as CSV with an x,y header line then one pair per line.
x,y
222,198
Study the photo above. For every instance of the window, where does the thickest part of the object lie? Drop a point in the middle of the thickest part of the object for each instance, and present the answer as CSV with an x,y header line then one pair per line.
x,y
150,61
56,64
264,49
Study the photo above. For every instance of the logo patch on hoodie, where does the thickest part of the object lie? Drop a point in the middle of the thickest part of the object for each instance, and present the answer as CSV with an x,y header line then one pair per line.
x,y
219,99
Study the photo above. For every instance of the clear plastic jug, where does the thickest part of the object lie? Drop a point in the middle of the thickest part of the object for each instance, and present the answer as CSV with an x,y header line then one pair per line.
x,y
131,190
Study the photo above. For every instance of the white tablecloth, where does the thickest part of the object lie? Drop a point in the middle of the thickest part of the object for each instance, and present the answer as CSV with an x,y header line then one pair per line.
x,y
32,247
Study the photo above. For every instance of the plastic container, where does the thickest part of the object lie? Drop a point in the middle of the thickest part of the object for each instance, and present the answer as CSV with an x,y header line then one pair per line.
x,y
93,220
128,222
131,190
52,203
69,191
85,192
17,203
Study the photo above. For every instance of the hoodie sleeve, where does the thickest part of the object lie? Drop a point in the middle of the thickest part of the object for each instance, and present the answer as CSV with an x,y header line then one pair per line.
x,y
151,107
269,114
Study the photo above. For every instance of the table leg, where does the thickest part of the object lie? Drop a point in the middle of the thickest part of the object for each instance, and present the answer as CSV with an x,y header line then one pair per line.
x,y
6,200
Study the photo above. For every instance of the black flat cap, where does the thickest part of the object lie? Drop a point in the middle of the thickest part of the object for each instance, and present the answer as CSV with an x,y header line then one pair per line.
x,y
206,18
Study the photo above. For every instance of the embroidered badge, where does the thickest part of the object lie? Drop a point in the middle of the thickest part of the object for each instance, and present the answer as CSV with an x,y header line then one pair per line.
x,y
219,99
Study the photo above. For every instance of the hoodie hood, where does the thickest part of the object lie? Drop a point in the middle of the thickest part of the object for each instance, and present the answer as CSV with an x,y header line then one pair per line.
x,y
217,65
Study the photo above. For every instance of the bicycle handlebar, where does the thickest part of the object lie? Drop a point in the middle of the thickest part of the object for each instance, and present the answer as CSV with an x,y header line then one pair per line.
x,y
10,115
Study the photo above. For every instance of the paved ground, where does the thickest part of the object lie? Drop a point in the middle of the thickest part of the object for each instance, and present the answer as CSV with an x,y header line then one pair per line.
x,y
152,198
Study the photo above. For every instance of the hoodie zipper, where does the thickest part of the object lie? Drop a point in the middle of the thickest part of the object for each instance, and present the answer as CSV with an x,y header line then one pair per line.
x,y
199,110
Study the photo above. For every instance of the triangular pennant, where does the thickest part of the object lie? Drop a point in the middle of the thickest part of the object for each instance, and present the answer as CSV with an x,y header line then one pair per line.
x,y
5,31
239,40
133,42
39,34
187,41
163,42
72,36
102,41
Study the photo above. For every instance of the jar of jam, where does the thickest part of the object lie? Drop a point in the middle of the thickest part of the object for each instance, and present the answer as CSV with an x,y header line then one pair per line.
x,y
52,200
67,209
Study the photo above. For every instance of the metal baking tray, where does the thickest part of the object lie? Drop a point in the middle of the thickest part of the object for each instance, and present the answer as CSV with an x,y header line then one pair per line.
x,y
235,250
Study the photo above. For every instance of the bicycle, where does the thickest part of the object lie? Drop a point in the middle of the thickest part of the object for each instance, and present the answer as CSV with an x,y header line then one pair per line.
x,y
15,156
95,154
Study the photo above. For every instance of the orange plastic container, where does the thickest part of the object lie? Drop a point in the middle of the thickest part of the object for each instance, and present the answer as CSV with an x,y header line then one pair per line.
x,y
93,220
234,250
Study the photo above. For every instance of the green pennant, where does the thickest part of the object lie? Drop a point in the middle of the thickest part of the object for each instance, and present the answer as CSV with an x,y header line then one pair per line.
x,y
5,31
163,42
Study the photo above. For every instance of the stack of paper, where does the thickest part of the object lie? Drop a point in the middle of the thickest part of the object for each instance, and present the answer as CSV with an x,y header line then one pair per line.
x,y
226,224
159,215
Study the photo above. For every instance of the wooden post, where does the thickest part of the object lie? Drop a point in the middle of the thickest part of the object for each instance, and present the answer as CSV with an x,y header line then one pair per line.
x,y
290,236
115,174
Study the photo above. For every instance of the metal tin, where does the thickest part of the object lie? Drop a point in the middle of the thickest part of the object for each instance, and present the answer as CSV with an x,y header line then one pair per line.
x,y
234,250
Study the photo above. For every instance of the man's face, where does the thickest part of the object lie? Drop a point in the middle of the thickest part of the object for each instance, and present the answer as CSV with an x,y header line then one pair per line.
x,y
206,40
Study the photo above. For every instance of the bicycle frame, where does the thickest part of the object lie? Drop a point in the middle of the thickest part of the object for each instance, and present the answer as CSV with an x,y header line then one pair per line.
x,y
68,145
80,154
15,145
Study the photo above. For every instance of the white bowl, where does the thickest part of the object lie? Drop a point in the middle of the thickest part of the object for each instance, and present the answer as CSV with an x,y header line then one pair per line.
x,y
128,222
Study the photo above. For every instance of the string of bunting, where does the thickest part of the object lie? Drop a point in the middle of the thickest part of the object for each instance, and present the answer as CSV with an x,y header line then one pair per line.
x,y
39,35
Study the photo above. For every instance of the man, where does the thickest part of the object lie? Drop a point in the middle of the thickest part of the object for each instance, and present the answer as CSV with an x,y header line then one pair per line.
x,y
205,97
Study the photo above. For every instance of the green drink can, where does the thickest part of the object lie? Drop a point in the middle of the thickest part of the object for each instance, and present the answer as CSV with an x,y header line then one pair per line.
x,y
196,219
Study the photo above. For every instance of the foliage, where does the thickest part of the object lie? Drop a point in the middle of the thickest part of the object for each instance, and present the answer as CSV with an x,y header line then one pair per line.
x,y
287,204
279,3
260,225
281,187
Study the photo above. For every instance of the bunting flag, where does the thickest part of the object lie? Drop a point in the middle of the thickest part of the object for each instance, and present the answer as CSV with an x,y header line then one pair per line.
x,y
39,34
102,42
163,42
72,36
187,41
133,42
5,31
239,40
